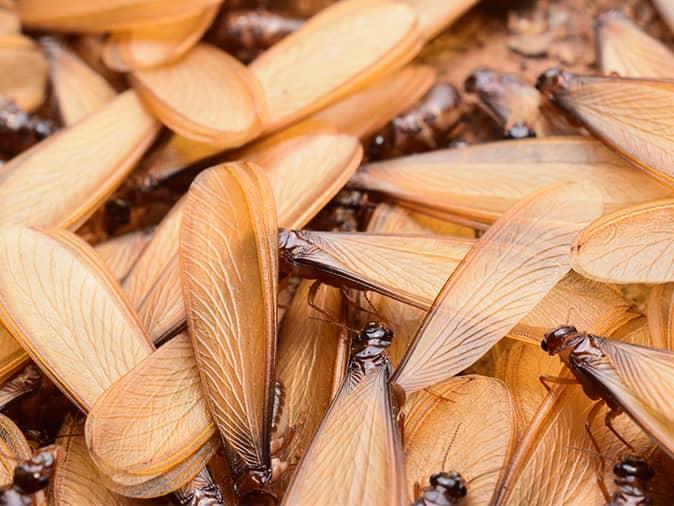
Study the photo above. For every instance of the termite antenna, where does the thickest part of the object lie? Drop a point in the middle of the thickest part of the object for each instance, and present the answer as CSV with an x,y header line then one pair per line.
x,y
485,473
451,443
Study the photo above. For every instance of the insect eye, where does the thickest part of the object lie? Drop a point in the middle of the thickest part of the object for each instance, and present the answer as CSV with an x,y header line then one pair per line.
x,y
544,344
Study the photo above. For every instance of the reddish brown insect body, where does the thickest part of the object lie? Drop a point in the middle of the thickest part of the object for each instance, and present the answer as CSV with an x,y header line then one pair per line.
x,y
203,491
446,489
422,128
632,477
30,476
19,130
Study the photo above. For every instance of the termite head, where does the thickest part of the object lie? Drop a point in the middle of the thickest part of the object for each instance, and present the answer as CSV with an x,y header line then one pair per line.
x,y
373,339
34,474
552,82
555,340
452,483
631,470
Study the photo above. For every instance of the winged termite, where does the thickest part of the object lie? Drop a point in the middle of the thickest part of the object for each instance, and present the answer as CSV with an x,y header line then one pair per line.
x,y
157,44
445,489
24,383
226,109
435,16
467,424
79,89
368,110
660,317
358,437
388,264
630,115
103,15
231,306
666,11
309,367
626,50
246,33
632,475
45,185
30,477
628,246
513,103
202,490
422,127
451,182
523,255
626,377
299,75
76,480
24,71
20,130
121,253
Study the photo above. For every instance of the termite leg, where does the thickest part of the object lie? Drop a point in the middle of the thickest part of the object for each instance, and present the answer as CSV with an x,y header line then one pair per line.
x,y
311,300
588,428
417,489
546,378
608,422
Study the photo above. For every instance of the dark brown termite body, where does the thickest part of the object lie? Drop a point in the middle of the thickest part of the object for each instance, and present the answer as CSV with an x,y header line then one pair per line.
x,y
247,33
30,476
424,127
369,347
201,491
25,382
513,103
632,475
348,211
446,489
20,130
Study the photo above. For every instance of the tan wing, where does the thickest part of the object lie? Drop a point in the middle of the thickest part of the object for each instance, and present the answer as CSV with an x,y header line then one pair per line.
x,y
9,19
156,44
451,182
24,71
300,193
465,424
152,418
104,15
633,116
357,441
229,273
309,360
630,52
121,253
307,70
435,16
629,246
366,111
48,186
408,268
13,448
67,312
76,480
12,355
641,379
78,89
207,96
508,272
660,316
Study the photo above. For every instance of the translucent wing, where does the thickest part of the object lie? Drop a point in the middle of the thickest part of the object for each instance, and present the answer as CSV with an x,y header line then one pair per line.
x,y
310,358
366,111
358,439
12,355
660,316
207,96
633,116
47,186
152,418
306,70
120,253
76,480
629,246
451,182
405,267
103,15
434,16
157,44
465,424
13,448
502,278
25,71
229,273
630,52
79,90
642,380
67,312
